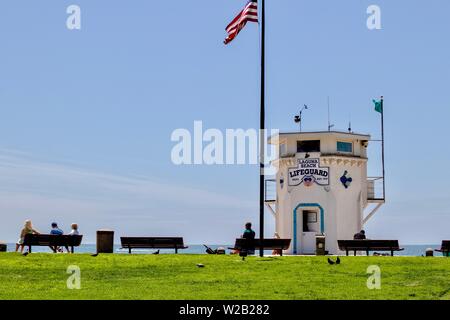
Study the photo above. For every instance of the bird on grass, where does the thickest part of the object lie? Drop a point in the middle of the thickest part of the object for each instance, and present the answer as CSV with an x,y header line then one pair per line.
x,y
25,254
156,252
338,261
243,254
94,255
200,265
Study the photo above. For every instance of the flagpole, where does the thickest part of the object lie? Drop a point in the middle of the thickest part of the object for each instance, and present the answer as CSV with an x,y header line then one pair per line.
x,y
261,132
382,147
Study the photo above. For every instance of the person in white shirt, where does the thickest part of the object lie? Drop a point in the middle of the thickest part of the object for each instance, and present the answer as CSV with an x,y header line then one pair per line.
x,y
74,231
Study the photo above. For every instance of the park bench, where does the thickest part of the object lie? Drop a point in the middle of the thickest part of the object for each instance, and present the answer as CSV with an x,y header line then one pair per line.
x,y
51,240
152,243
445,248
267,244
369,245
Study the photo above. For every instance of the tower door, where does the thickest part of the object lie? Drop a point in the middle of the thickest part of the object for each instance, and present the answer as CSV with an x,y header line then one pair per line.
x,y
310,228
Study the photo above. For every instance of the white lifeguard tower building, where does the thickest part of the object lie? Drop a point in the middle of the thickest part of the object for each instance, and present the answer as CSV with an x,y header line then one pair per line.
x,y
321,188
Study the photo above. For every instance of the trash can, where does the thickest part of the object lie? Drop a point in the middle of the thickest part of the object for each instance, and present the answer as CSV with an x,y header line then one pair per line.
x,y
3,247
429,252
105,241
320,245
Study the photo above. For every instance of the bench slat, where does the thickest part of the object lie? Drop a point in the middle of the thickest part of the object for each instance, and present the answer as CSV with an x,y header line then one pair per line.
x,y
269,244
153,243
52,240
445,247
369,245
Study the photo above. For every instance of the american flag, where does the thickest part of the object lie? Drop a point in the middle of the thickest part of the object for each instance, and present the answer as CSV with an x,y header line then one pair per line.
x,y
250,13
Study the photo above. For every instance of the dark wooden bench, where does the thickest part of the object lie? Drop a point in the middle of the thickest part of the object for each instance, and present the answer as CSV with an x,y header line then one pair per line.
x,y
445,248
267,244
369,245
152,243
51,240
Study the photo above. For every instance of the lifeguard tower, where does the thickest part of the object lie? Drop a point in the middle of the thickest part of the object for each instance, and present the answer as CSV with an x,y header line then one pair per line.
x,y
321,188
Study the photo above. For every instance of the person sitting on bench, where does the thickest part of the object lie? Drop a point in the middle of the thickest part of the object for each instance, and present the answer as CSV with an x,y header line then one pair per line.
x,y
360,235
27,229
57,232
277,252
74,231
249,234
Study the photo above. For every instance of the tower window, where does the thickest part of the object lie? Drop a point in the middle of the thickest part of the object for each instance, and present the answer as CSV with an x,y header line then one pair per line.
x,y
308,146
344,147
283,149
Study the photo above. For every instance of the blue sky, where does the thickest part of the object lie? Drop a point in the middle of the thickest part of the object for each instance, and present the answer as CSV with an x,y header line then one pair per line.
x,y
86,115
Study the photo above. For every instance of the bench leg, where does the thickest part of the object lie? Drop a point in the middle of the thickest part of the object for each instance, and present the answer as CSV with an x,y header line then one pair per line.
x,y
129,250
176,250
392,253
71,250
346,252
281,252
29,249
367,252
354,253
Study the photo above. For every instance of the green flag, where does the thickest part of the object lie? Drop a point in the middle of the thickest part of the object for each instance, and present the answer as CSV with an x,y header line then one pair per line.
x,y
378,105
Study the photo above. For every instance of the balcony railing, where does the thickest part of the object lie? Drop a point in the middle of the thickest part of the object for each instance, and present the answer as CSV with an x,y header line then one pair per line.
x,y
270,190
375,189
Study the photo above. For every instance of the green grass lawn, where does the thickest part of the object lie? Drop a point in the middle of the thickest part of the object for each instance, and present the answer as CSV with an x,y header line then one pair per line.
x,y
119,276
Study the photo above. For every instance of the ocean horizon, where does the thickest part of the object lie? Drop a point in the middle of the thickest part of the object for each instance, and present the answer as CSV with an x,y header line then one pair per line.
x,y
410,250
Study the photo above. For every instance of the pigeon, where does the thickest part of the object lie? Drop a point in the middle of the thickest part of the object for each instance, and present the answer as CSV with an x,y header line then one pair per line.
x,y
330,261
200,265
25,254
243,254
156,252
338,261
94,255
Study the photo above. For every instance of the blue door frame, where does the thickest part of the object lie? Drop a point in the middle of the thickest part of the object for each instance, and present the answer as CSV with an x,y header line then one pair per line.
x,y
305,205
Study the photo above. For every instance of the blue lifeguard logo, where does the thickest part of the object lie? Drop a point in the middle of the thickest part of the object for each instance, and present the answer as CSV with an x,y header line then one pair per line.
x,y
308,181
346,181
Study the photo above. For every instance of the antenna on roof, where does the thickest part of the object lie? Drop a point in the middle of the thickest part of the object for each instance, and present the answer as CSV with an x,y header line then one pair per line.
x,y
329,124
350,124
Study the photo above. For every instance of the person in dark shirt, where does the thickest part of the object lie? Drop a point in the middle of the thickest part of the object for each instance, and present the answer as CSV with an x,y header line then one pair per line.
x,y
360,235
249,234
